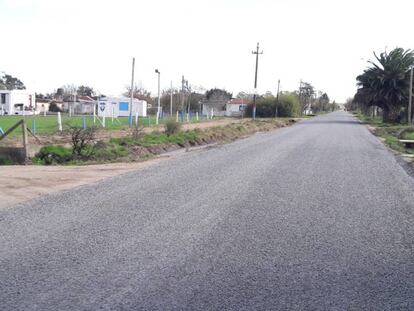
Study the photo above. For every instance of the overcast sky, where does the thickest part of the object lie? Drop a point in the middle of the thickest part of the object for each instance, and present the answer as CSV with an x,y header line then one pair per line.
x,y
49,43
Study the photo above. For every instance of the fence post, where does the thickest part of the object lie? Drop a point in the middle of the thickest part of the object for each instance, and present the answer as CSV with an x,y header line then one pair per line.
x,y
136,118
34,126
197,115
59,121
84,122
94,114
103,120
176,118
112,113
25,142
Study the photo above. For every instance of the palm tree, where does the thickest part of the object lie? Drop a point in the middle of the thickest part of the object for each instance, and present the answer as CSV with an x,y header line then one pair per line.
x,y
385,83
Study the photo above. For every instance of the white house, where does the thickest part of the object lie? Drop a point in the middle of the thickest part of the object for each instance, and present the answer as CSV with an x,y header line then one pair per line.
x,y
235,107
17,102
119,107
79,104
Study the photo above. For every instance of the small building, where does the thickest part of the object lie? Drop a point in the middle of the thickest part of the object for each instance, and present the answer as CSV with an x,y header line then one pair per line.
x,y
214,107
17,102
79,104
236,107
119,107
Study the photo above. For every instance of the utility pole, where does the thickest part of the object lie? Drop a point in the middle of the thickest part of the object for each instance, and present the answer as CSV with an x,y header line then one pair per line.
x,y
410,99
182,92
159,98
188,100
171,99
132,92
277,97
300,97
255,79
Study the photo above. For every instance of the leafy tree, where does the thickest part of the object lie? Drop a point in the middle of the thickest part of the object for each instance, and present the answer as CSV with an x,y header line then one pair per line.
x,y
8,82
85,91
385,83
306,92
218,95
321,103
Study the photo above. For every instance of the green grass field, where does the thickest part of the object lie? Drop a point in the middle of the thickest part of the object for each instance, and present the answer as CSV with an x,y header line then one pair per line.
x,y
49,124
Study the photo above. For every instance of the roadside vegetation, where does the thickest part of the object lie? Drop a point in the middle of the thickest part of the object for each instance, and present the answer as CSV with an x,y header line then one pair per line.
x,y
140,146
304,102
382,98
390,133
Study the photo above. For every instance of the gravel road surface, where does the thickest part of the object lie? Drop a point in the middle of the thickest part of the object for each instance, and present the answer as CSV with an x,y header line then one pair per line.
x,y
317,216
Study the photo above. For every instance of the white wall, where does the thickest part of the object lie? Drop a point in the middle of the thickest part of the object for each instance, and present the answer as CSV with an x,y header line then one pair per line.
x,y
119,106
14,97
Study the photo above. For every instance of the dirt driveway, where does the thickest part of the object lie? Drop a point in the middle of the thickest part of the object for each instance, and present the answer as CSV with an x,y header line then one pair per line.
x,y
19,183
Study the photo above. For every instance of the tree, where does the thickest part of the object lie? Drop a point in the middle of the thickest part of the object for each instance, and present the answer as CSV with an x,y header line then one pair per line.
x,y
385,83
306,92
218,95
321,103
140,93
85,91
8,82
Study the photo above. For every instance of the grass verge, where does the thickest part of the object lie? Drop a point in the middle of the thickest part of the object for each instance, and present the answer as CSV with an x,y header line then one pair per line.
x,y
390,133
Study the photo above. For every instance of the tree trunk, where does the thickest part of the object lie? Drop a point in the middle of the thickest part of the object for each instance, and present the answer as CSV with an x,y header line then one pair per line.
x,y
391,114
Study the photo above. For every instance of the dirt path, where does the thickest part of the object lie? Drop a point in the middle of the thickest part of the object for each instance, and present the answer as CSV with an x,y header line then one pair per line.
x,y
19,183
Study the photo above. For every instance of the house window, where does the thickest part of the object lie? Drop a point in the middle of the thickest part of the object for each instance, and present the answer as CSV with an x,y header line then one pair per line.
x,y
3,99
123,106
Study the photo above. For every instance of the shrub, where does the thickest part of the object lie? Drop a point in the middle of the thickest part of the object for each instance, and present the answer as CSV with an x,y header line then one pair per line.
x,y
53,107
172,127
288,105
81,139
109,152
53,154
7,162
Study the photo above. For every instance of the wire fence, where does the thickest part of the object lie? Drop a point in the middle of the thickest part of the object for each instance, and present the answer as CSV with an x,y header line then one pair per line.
x,y
56,122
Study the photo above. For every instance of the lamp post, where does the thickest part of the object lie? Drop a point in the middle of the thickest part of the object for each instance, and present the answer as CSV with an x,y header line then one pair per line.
x,y
159,99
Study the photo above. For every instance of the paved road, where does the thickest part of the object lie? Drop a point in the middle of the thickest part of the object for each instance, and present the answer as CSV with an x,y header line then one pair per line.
x,y
318,216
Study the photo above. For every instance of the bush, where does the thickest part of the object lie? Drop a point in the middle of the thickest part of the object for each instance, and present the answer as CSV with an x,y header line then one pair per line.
x,y
53,107
110,152
265,107
81,139
172,127
288,106
53,154
7,162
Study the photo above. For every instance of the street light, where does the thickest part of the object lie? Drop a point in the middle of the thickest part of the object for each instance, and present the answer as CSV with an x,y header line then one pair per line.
x,y
159,99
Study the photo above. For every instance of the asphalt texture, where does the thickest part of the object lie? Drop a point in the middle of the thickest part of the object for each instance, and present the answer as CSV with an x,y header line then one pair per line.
x,y
317,216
